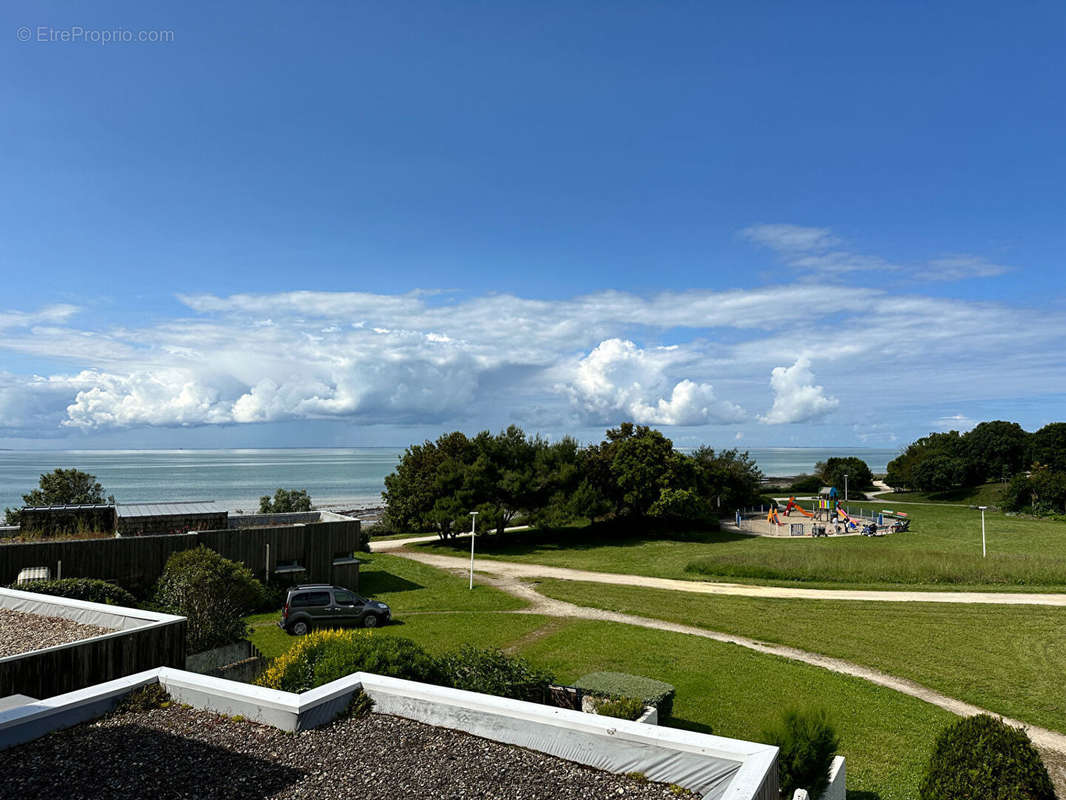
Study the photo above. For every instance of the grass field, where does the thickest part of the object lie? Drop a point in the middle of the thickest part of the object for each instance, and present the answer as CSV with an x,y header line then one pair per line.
x,y
886,736
1009,659
943,550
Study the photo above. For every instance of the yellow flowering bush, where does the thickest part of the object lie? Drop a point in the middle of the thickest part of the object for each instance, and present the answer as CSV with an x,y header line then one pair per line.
x,y
324,656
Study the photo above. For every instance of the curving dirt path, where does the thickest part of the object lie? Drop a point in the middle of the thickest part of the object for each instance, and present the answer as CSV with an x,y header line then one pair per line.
x,y
514,569
1052,742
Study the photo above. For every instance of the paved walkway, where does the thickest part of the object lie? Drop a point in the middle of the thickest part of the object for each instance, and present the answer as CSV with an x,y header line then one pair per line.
x,y
514,569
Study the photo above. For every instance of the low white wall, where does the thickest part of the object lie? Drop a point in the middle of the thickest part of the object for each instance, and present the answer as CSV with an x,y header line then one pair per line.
x,y
837,776
716,767
119,618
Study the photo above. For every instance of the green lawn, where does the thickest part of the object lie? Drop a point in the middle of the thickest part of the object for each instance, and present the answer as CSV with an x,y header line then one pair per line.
x,y
417,595
735,692
943,550
988,494
1009,659
886,737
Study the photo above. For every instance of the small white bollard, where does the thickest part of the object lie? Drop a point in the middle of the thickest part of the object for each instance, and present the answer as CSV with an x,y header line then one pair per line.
x,y
801,794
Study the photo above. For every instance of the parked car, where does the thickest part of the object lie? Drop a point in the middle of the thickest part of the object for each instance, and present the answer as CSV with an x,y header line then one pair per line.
x,y
317,605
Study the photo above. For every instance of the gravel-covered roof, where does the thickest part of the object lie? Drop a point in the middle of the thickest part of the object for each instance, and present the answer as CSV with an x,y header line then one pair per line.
x,y
178,752
21,632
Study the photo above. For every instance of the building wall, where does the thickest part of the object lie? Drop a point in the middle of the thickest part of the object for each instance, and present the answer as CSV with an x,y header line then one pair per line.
x,y
144,640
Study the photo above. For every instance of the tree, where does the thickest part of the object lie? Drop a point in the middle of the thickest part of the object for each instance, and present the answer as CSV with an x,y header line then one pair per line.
x,y
728,480
1042,491
1048,446
950,445
996,450
285,501
833,470
428,490
626,472
62,487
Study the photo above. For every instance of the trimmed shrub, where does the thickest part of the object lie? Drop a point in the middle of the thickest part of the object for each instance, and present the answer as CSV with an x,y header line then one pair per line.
x,y
619,684
492,672
983,757
622,707
808,743
89,589
324,656
213,592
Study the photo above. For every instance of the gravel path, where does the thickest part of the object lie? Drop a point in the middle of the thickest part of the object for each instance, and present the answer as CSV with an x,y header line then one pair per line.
x,y
183,753
515,569
21,632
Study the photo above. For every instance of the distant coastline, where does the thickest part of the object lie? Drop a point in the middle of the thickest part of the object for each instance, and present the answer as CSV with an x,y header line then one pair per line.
x,y
337,478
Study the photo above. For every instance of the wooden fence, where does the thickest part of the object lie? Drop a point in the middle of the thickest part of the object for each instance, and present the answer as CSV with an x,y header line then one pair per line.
x,y
136,562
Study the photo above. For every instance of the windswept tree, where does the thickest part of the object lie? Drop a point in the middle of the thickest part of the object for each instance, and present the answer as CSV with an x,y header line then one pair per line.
x,y
427,491
62,487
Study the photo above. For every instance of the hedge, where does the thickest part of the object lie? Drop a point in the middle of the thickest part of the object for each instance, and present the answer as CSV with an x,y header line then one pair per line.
x,y
89,589
619,684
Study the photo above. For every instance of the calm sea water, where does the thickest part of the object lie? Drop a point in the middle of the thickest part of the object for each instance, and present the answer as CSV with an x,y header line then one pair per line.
x,y
237,478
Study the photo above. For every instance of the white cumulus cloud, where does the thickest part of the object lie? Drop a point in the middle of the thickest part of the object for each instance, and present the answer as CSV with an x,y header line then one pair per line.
x,y
619,378
796,398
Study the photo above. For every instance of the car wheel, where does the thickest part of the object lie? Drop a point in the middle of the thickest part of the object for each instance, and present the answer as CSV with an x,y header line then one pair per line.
x,y
300,628
371,621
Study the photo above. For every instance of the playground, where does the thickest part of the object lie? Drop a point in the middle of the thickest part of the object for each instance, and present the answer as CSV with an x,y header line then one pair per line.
x,y
815,517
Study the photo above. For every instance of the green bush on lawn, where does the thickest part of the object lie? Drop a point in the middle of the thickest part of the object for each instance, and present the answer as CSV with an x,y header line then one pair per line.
x,y
619,684
984,757
490,671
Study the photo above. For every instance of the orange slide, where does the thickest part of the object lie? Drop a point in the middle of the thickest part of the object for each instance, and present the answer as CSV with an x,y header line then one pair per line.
x,y
792,504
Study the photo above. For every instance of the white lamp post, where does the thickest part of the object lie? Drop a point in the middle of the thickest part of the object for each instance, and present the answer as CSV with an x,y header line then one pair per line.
x,y
473,533
984,552
845,487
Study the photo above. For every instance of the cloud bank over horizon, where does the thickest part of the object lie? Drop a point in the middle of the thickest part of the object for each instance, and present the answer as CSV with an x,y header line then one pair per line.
x,y
877,363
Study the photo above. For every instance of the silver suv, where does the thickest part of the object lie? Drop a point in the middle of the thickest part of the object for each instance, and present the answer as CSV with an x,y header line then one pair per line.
x,y
319,605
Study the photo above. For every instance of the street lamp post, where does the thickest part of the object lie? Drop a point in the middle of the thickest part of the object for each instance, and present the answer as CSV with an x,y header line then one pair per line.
x,y
845,487
984,552
473,533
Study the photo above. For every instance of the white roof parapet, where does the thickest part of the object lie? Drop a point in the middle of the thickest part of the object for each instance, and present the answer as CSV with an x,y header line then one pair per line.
x,y
716,767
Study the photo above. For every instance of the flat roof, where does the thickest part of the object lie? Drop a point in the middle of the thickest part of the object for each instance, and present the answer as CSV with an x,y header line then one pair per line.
x,y
69,507
180,508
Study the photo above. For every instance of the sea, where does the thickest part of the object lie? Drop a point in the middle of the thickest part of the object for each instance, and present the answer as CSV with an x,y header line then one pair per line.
x,y
336,478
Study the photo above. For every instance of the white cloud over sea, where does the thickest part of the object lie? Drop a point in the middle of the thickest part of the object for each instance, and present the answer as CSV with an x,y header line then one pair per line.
x,y
763,356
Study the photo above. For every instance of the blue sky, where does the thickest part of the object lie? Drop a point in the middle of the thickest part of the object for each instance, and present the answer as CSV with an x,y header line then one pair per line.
x,y
365,223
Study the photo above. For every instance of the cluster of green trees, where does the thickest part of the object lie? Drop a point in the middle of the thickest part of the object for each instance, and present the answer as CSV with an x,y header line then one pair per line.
x,y
993,451
285,501
635,472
